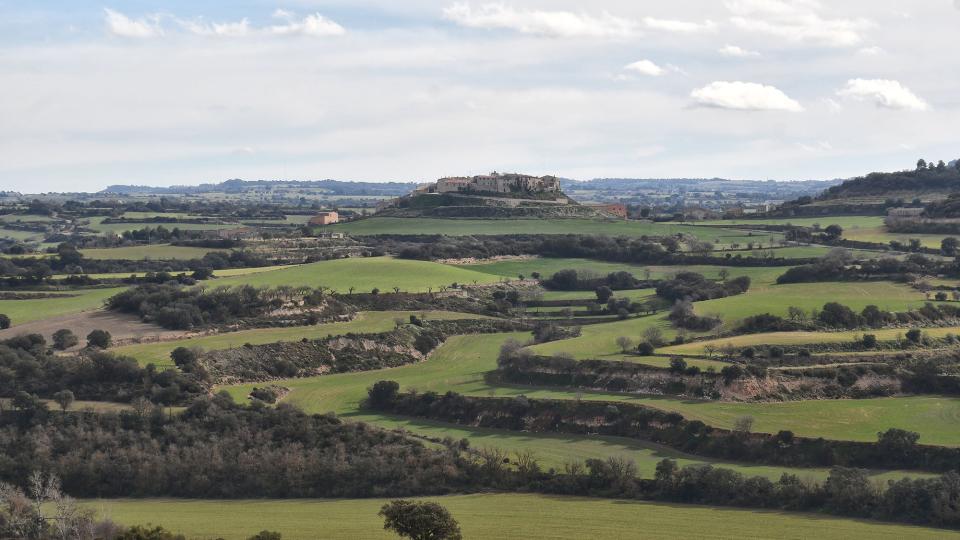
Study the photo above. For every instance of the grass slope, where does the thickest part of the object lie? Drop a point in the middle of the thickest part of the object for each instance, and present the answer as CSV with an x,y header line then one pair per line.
x,y
460,364
801,338
497,516
154,251
21,311
371,321
365,274
461,227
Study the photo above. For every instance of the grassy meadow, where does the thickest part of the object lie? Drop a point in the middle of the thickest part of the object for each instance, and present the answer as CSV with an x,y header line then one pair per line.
x,y
96,224
462,227
22,311
532,517
802,338
460,364
152,251
370,321
365,274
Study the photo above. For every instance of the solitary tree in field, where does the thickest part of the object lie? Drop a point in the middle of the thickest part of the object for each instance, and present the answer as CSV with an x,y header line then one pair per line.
x,y
624,343
743,424
4,321
64,399
63,339
99,338
949,245
603,294
420,520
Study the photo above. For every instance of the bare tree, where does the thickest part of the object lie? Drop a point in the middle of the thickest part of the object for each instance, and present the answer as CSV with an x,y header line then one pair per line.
x,y
624,343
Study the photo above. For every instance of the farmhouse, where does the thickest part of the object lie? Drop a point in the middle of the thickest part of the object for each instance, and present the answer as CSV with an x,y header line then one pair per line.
x,y
325,218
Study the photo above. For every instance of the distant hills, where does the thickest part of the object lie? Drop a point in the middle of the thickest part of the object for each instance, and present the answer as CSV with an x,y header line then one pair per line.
x,y
332,187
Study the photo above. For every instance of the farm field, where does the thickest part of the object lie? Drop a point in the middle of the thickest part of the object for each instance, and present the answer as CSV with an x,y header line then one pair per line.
x,y
227,272
459,365
96,224
365,274
599,340
847,222
496,516
21,311
370,321
153,251
775,299
460,227
547,266
22,236
801,338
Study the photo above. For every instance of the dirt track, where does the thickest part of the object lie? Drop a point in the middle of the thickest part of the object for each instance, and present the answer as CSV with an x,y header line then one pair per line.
x,y
121,327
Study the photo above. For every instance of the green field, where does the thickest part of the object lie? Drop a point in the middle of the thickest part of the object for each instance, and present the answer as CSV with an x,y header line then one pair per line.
x,y
459,365
801,338
462,227
227,272
547,266
153,251
96,224
496,516
775,299
370,321
21,236
859,228
847,222
22,311
384,273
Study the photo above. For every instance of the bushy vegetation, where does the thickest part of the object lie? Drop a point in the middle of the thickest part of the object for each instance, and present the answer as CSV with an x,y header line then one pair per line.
x,y
182,308
216,449
26,369
694,287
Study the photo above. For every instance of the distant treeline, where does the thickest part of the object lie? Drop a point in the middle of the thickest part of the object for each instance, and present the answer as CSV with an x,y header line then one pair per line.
x,y
30,271
641,250
895,449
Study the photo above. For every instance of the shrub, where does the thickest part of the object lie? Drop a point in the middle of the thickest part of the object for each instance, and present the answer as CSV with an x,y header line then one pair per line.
x,y
99,338
64,339
645,349
914,335
869,341
4,321
382,393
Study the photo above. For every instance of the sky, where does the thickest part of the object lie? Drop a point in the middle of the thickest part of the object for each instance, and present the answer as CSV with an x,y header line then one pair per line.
x,y
186,92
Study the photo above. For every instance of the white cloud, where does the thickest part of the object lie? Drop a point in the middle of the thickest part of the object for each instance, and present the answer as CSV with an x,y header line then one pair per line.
x,y
311,25
744,96
645,67
737,52
871,51
796,21
537,22
229,29
681,27
315,25
832,105
819,146
119,24
885,93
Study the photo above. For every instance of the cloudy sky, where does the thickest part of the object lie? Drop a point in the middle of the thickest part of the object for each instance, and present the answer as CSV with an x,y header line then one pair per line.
x,y
184,92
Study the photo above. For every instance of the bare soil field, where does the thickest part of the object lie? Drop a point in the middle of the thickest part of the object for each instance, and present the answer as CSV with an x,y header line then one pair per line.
x,y
124,328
